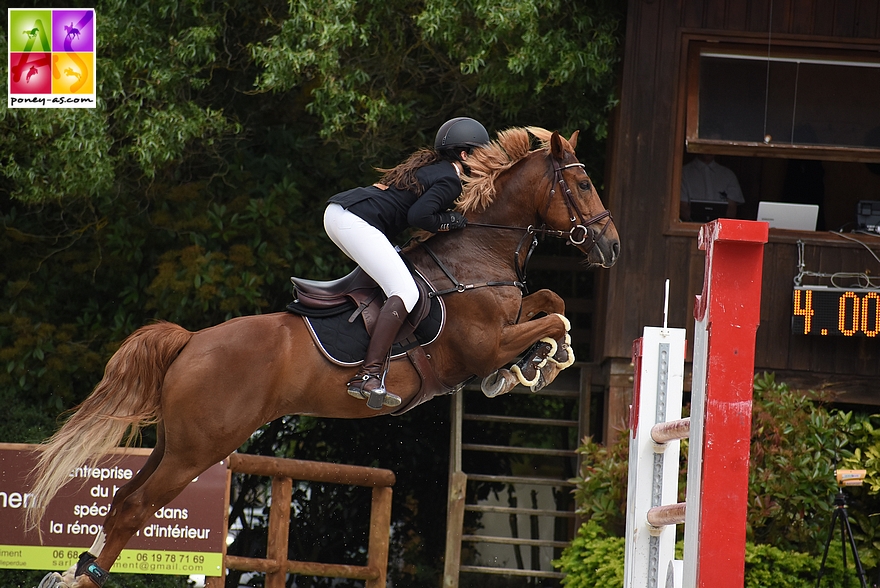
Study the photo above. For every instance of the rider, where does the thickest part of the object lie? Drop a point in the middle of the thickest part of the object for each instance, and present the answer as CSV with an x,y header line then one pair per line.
x,y
418,192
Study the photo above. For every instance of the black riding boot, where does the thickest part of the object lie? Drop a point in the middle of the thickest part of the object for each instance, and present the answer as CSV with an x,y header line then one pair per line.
x,y
369,382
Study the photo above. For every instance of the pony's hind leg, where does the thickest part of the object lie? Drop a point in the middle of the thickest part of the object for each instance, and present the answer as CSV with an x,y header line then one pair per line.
x,y
129,513
70,577
149,467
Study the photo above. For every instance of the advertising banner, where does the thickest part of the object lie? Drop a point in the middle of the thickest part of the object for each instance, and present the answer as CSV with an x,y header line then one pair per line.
x,y
185,537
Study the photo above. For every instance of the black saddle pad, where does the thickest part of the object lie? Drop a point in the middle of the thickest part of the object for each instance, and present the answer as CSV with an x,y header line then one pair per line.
x,y
345,342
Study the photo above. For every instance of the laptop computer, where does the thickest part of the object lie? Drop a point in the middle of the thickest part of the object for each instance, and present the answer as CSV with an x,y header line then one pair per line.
x,y
704,211
786,215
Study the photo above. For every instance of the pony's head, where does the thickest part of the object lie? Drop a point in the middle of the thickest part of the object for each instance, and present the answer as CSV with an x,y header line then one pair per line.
x,y
545,188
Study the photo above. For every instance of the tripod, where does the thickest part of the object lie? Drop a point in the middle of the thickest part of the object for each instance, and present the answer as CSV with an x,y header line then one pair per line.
x,y
839,513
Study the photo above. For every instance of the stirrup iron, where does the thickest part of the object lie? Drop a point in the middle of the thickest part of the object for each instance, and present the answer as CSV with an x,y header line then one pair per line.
x,y
378,397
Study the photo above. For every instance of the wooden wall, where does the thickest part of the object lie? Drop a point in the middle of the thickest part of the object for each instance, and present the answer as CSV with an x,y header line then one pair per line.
x,y
647,145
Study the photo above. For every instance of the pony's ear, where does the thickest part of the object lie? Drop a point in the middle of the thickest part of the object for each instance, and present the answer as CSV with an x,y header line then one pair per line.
x,y
557,150
574,139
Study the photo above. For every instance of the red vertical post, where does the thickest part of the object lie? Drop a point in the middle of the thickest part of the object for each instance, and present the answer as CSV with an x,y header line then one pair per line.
x,y
727,314
637,387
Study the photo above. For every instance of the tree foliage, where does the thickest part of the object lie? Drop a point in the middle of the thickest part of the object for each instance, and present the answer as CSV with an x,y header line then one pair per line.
x,y
376,66
154,60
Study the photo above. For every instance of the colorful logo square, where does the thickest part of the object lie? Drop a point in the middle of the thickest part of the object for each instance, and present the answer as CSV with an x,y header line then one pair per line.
x,y
30,73
51,57
73,73
73,30
30,30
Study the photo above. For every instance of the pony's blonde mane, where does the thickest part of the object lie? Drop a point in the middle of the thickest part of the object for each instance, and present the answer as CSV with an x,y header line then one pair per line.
x,y
511,146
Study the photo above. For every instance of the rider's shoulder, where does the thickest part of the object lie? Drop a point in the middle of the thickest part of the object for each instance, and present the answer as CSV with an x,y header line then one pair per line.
x,y
437,171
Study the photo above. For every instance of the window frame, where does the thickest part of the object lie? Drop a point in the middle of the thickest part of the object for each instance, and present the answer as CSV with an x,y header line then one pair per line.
x,y
686,139
695,144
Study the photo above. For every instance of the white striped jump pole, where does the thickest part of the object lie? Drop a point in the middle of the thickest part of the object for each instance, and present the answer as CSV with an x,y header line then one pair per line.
x,y
652,489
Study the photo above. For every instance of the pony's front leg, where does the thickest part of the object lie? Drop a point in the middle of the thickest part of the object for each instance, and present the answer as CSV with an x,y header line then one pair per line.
x,y
556,353
547,358
517,337
546,301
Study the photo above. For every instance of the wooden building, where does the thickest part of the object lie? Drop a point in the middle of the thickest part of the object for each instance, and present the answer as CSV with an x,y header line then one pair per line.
x,y
772,88
786,93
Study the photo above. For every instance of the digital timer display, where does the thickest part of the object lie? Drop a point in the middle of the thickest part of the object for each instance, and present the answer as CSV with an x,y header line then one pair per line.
x,y
835,311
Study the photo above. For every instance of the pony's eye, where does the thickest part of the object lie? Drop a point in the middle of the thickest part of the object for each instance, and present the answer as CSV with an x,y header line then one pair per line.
x,y
585,185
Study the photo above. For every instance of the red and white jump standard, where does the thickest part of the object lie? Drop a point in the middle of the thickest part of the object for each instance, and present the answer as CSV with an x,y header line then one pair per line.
x,y
727,313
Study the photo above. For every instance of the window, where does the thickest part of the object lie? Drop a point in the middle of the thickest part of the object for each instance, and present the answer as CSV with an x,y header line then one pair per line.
x,y
795,124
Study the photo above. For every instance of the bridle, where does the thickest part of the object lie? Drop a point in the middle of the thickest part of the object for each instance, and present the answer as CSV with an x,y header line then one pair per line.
x,y
577,235
575,216
580,224
579,231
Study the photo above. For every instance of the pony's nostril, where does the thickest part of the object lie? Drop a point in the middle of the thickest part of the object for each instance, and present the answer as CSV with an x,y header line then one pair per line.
x,y
615,250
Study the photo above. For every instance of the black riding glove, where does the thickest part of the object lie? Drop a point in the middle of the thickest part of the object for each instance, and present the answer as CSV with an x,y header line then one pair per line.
x,y
451,220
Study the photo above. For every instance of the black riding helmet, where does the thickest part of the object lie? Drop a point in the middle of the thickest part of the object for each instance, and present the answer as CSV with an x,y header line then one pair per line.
x,y
461,133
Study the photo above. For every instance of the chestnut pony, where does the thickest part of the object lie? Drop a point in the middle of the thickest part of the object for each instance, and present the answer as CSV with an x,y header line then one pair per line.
x,y
208,391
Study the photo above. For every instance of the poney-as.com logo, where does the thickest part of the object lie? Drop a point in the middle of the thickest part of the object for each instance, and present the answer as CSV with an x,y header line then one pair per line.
x,y
51,58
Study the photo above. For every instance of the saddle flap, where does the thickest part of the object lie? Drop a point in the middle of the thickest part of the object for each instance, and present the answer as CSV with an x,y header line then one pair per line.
x,y
360,288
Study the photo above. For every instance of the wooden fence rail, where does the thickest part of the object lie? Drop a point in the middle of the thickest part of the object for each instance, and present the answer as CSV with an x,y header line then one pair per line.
x,y
283,472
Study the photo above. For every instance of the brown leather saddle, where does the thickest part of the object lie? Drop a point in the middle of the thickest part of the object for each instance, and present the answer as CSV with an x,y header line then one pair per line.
x,y
362,290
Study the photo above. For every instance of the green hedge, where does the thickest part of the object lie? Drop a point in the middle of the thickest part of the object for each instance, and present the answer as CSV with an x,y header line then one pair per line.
x,y
797,442
596,559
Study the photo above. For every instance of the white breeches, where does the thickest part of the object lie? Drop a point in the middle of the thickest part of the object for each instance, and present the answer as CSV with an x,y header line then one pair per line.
x,y
372,251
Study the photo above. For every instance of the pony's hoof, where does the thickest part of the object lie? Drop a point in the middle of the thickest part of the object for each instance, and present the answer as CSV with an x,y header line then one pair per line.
x,y
498,383
52,580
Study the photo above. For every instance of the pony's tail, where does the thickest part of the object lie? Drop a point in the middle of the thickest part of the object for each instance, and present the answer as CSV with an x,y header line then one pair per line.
x,y
126,399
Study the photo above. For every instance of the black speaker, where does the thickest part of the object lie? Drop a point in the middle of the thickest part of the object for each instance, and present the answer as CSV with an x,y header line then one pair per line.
x,y
868,215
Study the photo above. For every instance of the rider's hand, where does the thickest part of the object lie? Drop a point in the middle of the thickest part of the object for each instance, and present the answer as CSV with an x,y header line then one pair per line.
x,y
452,220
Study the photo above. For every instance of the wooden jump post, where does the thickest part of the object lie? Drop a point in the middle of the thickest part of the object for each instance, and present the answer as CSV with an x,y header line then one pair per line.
x,y
727,314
